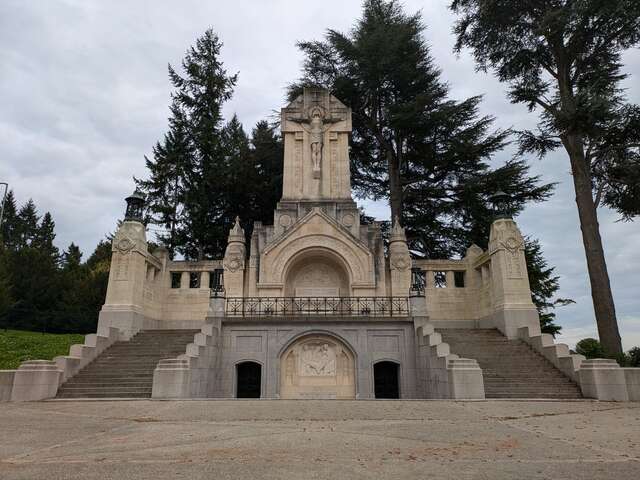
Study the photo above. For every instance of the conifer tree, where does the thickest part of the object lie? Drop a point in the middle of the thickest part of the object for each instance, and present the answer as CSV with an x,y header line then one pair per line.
x,y
165,187
268,154
200,92
563,58
413,145
9,226
427,154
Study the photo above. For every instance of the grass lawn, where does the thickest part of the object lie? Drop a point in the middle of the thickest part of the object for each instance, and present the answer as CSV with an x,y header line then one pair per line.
x,y
17,346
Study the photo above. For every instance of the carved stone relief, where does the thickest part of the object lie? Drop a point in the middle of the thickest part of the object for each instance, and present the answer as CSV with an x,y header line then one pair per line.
x,y
317,366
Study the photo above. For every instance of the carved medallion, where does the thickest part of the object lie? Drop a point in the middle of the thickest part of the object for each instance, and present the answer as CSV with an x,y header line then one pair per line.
x,y
348,220
233,263
400,262
125,245
285,221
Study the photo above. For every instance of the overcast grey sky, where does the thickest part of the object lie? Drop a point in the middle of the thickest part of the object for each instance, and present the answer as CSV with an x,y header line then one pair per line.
x,y
84,95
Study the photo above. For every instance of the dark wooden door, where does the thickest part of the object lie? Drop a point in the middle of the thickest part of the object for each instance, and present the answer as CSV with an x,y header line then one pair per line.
x,y
385,375
249,379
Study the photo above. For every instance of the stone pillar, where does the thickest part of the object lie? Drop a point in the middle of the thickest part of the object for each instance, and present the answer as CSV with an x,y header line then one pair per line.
x,y
234,262
512,305
123,308
35,380
185,278
603,379
204,279
254,259
399,261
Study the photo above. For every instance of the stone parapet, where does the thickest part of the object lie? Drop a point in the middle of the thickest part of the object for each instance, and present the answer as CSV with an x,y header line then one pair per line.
x,y
35,380
603,379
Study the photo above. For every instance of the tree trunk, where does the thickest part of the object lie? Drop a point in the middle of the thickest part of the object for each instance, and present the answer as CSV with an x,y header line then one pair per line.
x,y
395,188
603,305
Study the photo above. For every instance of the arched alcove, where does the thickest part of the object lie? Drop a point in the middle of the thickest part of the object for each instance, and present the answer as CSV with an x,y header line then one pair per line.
x,y
317,366
317,273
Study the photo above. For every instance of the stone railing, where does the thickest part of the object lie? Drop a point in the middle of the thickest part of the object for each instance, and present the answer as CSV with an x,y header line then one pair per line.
x,y
324,306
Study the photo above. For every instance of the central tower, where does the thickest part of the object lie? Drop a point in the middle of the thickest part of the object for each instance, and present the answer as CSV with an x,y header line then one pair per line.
x,y
317,246
316,128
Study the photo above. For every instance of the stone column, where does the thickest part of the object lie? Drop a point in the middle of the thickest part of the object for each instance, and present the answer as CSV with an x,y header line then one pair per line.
x,y
234,262
204,279
512,304
123,306
399,261
185,279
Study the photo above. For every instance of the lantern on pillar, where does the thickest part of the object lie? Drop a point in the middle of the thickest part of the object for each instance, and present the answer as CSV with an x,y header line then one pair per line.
x,y
135,205
502,205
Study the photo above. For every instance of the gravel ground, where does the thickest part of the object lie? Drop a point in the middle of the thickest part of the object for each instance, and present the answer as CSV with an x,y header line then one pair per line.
x,y
266,439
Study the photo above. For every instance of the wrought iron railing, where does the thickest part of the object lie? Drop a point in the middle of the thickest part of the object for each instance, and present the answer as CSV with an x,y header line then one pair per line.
x,y
327,306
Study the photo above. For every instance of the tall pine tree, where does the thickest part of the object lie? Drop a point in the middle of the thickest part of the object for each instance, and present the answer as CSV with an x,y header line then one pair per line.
x,y
427,154
563,58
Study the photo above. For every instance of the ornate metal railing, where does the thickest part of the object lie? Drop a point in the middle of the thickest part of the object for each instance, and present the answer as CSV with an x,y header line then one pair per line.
x,y
327,306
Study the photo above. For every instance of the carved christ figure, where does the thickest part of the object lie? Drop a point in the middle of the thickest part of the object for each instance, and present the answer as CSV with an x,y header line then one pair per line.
x,y
318,125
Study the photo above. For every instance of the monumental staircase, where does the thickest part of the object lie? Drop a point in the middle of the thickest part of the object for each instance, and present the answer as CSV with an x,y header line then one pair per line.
x,y
125,369
511,369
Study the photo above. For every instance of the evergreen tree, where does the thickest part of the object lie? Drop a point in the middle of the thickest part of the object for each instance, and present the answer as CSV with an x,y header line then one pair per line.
x,y
544,286
429,155
426,153
562,58
72,258
9,227
268,154
164,189
200,92
27,225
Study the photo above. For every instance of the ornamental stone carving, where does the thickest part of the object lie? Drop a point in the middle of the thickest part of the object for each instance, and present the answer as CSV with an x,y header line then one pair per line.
x,y
124,245
400,262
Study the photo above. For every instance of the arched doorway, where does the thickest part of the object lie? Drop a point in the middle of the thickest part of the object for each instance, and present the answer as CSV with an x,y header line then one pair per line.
x,y
317,366
317,274
386,380
248,380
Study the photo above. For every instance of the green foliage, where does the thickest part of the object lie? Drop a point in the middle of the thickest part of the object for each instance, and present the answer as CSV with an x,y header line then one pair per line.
x,y
563,58
590,348
205,172
41,289
544,285
412,144
633,357
18,346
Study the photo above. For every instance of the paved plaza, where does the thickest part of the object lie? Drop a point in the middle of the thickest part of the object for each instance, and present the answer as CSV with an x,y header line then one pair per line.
x,y
264,439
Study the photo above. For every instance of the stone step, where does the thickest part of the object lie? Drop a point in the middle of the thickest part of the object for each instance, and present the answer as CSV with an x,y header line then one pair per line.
x,y
510,368
125,369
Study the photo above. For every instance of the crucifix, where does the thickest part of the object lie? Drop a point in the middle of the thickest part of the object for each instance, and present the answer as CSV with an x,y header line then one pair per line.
x,y
316,123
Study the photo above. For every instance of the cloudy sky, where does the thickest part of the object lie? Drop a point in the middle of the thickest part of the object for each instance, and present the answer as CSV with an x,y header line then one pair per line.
x,y
84,95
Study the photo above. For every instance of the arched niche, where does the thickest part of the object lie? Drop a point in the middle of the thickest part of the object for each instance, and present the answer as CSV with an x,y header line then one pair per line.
x,y
317,273
317,367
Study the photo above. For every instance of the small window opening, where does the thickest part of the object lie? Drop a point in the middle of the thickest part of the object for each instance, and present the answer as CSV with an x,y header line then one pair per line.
x,y
440,279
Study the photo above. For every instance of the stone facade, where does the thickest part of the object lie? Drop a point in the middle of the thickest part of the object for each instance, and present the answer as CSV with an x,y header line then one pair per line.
x,y
314,306
316,254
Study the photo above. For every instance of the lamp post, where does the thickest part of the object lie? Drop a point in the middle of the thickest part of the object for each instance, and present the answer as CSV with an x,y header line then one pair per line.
x,y
501,202
4,198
